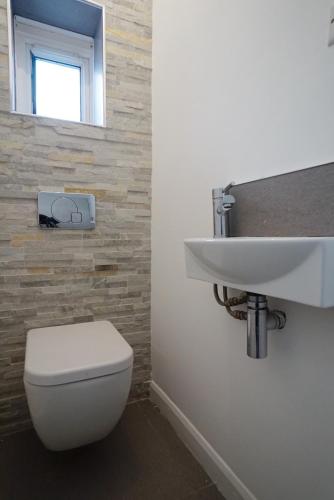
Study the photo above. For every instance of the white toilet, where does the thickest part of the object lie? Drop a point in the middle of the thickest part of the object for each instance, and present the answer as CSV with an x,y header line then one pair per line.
x,y
77,380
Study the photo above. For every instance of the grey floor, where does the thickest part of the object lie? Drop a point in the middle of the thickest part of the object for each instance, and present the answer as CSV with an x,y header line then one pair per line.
x,y
142,459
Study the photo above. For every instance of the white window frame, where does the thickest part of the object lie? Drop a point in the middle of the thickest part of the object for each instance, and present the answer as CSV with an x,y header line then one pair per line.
x,y
32,38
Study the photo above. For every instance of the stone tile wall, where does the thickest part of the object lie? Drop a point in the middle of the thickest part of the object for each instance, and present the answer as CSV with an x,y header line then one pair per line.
x,y
57,277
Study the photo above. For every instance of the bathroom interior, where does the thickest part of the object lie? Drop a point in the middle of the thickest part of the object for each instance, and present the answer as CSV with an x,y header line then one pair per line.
x,y
166,249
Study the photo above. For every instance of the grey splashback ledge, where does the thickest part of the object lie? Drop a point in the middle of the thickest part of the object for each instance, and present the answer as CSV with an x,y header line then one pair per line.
x,y
299,203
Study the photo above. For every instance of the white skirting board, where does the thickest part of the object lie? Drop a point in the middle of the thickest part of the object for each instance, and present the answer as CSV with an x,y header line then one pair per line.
x,y
226,480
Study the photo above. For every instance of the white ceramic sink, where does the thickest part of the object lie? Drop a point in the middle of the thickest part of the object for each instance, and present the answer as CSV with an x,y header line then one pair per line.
x,y
298,269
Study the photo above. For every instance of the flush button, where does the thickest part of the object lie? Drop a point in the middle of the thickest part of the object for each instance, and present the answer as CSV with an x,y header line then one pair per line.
x,y
62,209
76,217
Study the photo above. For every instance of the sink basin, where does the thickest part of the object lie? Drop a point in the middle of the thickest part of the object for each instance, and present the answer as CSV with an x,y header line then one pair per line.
x,y
297,269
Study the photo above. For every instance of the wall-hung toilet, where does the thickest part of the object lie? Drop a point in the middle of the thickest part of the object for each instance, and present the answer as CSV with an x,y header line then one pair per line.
x,y
77,380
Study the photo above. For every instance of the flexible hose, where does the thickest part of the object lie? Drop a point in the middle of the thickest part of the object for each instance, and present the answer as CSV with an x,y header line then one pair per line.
x,y
231,302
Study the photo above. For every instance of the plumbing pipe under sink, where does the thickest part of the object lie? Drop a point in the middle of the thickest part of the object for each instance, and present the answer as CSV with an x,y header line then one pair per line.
x,y
259,318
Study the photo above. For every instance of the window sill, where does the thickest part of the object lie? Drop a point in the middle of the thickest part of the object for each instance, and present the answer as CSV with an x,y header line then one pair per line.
x,y
57,121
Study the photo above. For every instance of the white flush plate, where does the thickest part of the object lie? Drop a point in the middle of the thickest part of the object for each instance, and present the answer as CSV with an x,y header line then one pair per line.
x,y
66,210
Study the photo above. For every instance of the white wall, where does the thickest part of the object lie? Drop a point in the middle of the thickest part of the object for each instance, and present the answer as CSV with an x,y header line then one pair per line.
x,y
241,90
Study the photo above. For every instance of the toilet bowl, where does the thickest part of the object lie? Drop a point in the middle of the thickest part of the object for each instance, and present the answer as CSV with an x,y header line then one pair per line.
x,y
77,380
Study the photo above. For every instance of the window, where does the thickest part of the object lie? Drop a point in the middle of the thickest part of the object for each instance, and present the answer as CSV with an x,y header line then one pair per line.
x,y
59,73
56,89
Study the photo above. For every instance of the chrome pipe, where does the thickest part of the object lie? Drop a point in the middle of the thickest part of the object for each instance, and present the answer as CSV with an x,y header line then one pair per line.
x,y
257,335
259,321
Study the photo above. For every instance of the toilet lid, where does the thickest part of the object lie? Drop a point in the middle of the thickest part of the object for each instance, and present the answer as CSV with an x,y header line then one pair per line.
x,y
69,353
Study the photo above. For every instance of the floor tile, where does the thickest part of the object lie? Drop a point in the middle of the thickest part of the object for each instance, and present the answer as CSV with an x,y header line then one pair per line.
x,y
209,493
142,459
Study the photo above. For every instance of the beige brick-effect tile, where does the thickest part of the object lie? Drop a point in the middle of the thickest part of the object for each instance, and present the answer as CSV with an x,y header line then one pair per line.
x,y
60,277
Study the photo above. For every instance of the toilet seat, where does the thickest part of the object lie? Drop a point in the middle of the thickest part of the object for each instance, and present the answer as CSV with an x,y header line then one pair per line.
x,y
71,353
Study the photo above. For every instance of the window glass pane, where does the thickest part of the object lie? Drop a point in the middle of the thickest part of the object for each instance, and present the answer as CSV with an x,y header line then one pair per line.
x,y
57,90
